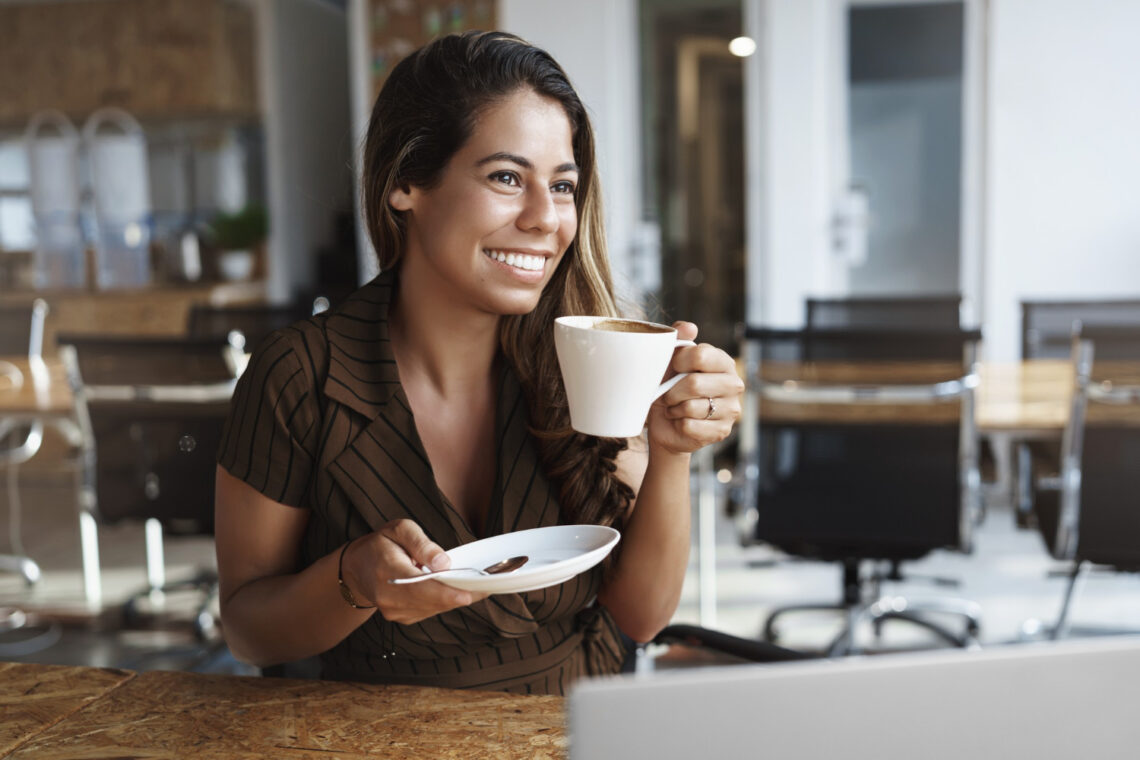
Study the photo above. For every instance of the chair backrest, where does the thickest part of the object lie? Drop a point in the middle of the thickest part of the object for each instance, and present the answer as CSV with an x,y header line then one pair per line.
x,y
1047,327
22,328
942,311
151,411
1099,517
255,323
866,445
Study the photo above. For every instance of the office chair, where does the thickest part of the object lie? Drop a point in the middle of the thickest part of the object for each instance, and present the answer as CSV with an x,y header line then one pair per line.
x,y
865,452
1048,326
1089,514
151,411
888,313
21,333
1047,330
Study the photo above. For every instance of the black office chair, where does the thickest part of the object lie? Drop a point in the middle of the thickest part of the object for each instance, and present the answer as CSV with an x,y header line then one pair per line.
x,y
888,313
1090,514
151,411
1048,326
865,453
1047,331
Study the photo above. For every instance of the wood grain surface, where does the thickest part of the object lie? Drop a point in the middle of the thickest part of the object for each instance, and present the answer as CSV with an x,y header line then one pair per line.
x,y
42,392
33,698
185,715
155,311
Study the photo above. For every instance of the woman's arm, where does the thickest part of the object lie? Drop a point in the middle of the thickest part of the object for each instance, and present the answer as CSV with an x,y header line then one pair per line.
x,y
644,587
274,611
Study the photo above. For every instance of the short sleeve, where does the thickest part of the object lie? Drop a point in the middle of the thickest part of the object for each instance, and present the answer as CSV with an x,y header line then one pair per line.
x,y
269,436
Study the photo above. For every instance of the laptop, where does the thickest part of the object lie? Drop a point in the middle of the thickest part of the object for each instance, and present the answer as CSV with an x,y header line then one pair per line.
x,y
1072,699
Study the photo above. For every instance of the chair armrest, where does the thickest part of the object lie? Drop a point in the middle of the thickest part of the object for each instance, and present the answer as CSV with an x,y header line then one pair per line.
x,y
810,393
201,394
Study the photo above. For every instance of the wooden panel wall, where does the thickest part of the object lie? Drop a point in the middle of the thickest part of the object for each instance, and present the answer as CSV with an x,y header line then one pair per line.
x,y
401,26
156,58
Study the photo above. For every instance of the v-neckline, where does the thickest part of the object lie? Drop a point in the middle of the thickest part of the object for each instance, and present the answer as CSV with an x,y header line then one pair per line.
x,y
493,518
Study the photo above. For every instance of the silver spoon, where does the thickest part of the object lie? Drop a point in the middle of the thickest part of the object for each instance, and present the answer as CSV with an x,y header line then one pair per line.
x,y
504,566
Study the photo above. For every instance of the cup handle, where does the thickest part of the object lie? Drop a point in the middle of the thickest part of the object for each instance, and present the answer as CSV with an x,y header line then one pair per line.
x,y
665,386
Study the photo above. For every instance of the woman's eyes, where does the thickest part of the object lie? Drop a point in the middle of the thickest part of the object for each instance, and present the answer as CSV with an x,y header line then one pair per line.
x,y
507,178
511,179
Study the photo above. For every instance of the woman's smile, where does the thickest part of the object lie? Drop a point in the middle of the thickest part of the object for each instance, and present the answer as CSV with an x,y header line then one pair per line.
x,y
522,264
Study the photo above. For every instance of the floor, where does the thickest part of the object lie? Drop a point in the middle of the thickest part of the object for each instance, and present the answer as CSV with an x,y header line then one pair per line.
x,y
1009,574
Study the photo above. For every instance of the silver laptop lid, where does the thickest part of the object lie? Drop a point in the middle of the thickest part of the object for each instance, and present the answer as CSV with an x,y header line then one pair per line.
x,y
1059,700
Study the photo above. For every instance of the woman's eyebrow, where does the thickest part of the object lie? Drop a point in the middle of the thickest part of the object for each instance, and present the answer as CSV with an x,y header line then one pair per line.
x,y
524,162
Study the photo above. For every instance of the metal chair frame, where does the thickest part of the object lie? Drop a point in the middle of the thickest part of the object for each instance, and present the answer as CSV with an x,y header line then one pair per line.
x,y
192,393
1066,542
18,454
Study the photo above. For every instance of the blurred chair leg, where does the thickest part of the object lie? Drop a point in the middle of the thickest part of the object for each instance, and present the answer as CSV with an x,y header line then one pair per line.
x,y
89,544
1061,627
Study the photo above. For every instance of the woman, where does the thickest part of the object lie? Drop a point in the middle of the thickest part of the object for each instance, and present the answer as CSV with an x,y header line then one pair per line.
x,y
428,410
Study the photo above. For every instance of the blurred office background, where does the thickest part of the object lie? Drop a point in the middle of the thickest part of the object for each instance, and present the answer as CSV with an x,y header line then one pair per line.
x,y
754,154
849,147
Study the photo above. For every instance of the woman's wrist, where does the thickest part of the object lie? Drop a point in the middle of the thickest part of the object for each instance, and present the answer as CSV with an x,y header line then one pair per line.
x,y
347,582
662,454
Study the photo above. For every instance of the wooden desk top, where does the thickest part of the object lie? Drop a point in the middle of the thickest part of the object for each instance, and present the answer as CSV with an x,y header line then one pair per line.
x,y
179,715
1030,398
33,698
44,390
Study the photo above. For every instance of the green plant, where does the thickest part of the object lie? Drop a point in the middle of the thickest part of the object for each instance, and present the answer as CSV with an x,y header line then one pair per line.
x,y
240,230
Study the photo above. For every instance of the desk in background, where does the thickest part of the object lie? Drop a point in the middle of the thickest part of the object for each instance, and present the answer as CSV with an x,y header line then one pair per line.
x,y
56,713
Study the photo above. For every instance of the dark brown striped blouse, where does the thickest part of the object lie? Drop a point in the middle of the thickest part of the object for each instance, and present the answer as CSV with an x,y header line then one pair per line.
x,y
319,421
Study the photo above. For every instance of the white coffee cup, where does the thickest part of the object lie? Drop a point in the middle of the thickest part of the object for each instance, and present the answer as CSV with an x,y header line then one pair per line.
x,y
612,370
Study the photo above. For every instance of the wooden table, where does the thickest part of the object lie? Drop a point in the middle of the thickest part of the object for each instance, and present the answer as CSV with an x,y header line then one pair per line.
x,y
1030,398
42,394
33,698
153,310
88,713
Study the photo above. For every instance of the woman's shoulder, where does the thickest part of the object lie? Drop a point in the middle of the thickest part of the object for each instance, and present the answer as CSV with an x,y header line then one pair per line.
x,y
300,347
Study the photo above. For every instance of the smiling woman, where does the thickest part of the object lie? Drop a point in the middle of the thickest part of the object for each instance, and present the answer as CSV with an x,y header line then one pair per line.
x,y
428,411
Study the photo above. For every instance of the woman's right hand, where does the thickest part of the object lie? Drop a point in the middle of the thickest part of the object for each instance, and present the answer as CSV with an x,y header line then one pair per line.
x,y
399,549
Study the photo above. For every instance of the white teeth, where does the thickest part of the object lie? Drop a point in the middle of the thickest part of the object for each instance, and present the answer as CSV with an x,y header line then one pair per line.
x,y
519,260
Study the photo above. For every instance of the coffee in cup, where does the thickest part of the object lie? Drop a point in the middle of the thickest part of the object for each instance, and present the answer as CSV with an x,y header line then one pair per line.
x,y
612,370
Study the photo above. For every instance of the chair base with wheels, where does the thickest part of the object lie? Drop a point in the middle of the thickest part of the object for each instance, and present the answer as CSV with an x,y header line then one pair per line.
x,y
874,608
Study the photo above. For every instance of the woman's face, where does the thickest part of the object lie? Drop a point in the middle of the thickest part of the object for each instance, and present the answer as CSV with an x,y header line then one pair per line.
x,y
493,230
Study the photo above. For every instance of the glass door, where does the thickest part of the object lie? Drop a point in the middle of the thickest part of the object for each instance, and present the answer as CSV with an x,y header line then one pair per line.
x,y
907,153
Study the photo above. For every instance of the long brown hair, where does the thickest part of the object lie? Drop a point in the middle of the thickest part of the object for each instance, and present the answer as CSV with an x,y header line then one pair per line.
x,y
424,113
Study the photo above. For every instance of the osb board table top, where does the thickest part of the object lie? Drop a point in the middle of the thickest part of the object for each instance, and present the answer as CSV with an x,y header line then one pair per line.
x,y
185,715
33,698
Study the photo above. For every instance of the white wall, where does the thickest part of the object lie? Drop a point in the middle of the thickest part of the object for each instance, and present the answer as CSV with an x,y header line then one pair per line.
x,y
789,163
595,41
1063,212
304,84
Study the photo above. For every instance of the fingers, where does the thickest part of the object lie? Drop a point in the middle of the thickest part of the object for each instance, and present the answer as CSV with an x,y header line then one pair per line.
x,y
419,548
702,357
703,407
398,550
705,394
685,330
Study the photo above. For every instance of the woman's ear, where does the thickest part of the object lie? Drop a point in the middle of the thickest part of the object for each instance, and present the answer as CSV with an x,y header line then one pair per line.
x,y
400,199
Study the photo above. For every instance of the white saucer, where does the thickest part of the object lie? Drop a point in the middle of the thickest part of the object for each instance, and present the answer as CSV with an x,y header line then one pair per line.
x,y
557,553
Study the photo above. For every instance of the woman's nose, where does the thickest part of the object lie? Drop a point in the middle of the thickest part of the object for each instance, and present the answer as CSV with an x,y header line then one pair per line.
x,y
539,213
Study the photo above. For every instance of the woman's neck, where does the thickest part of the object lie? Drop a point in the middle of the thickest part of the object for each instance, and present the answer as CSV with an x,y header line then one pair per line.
x,y
451,349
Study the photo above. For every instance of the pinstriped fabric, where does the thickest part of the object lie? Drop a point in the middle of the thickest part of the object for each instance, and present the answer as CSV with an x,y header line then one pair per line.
x,y
320,421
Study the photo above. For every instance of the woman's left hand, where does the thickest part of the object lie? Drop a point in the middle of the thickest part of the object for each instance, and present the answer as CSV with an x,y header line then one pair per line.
x,y
702,408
